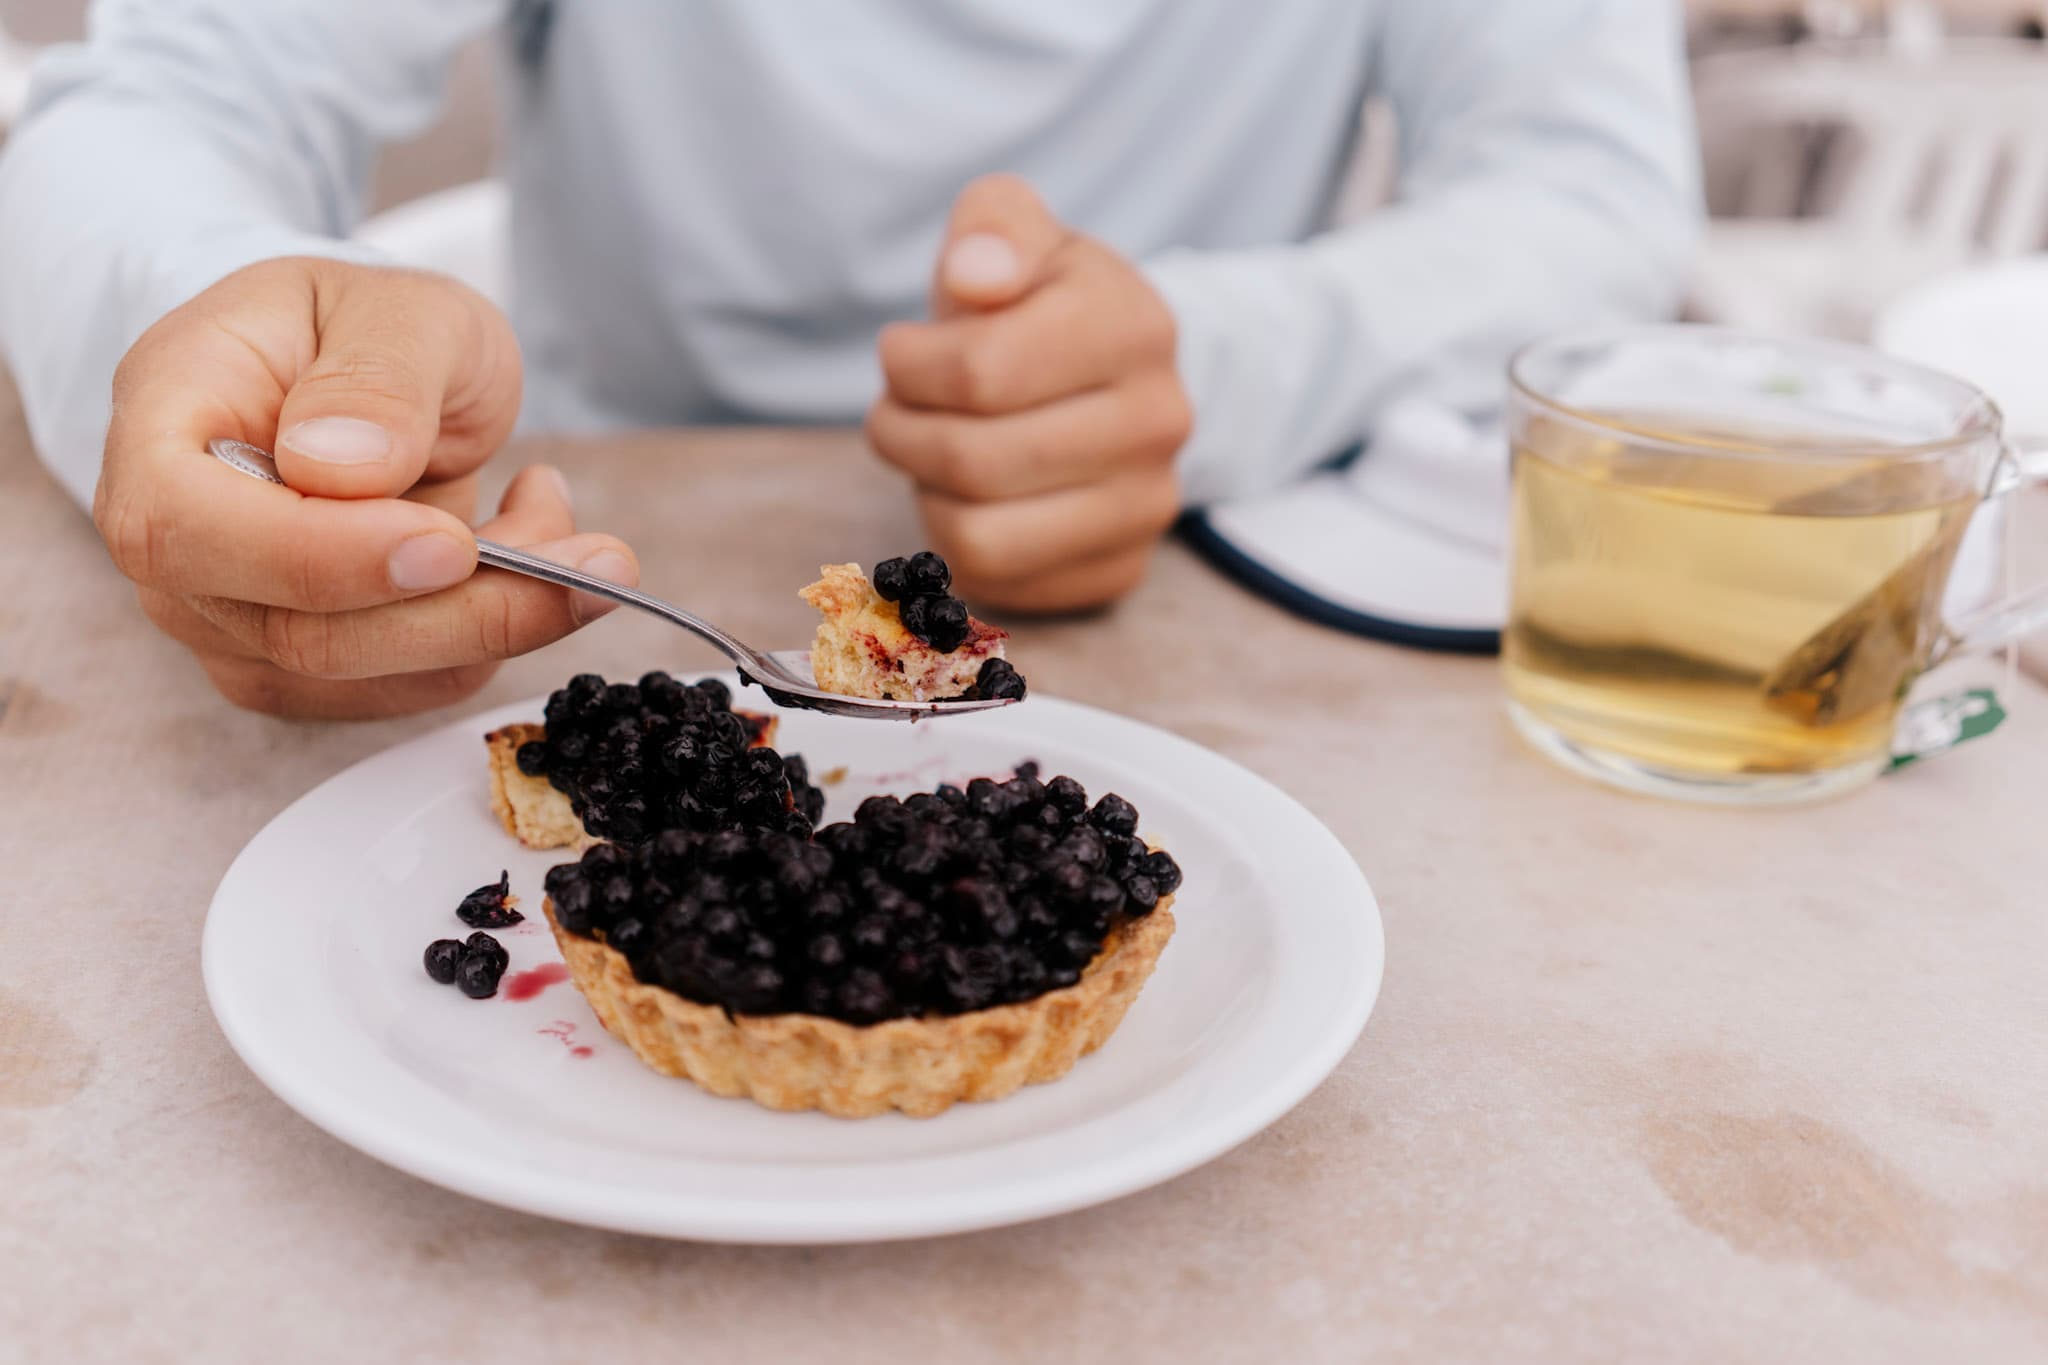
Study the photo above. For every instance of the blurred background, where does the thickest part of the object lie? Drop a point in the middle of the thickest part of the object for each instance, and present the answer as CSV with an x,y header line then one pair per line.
x,y
1853,150
1876,170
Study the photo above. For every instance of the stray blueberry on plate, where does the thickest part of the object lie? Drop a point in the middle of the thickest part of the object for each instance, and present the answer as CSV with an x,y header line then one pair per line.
x,y
478,974
490,906
443,956
482,944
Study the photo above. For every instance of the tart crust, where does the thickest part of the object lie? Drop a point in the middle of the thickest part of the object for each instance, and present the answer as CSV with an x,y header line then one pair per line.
x,y
921,1066
536,812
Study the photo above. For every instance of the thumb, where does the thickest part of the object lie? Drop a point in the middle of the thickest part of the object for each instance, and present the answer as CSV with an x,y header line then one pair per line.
x,y
413,376
999,243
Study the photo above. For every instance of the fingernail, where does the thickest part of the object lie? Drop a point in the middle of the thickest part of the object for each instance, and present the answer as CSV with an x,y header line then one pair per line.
x,y
338,440
612,567
982,260
429,562
561,485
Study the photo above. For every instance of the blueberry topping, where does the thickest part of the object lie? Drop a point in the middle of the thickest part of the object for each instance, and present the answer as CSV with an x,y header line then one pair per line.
x,y
443,956
487,908
957,899
892,580
1114,815
916,613
927,574
1163,870
638,758
945,624
998,681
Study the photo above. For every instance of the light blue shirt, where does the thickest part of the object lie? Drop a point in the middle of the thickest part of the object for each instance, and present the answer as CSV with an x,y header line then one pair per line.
x,y
716,203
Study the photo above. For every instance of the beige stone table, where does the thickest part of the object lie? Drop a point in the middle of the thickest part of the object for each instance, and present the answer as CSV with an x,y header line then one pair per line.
x,y
1644,1083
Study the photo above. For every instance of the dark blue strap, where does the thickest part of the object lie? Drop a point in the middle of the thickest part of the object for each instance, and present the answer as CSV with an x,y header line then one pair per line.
x,y
1211,544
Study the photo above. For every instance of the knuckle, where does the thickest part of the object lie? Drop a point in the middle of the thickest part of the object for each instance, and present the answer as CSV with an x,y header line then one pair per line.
x,y
447,686
368,374
250,689
1172,420
129,533
1161,503
496,623
981,375
975,554
299,642
958,465
1157,330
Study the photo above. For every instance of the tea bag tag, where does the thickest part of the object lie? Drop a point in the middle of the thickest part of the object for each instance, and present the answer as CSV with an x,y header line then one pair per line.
x,y
1939,724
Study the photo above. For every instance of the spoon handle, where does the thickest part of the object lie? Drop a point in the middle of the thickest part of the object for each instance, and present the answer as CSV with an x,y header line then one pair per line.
x,y
533,566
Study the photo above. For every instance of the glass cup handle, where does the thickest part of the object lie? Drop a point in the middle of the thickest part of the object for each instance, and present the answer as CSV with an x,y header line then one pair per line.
x,y
1992,627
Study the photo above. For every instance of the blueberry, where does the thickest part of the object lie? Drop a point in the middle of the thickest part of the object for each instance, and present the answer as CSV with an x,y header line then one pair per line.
x,y
892,579
481,943
916,613
927,574
1142,892
1083,846
1078,948
997,680
533,758
755,989
1066,795
716,693
946,624
443,956
629,936
1114,815
1163,870
864,998
1103,896
827,952
654,683
478,975
872,935
585,689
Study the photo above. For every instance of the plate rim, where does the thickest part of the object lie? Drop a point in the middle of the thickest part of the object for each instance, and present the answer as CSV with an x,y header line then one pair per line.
x,y
1161,1157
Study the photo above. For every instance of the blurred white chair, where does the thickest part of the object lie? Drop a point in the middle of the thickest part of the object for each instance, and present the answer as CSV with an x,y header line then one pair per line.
x,y
464,231
1855,171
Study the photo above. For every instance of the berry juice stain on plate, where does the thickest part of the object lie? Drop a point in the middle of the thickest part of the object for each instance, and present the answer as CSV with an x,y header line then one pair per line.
x,y
564,1032
531,982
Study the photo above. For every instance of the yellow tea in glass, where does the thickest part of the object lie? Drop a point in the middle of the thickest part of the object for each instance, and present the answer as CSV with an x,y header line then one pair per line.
x,y
1729,554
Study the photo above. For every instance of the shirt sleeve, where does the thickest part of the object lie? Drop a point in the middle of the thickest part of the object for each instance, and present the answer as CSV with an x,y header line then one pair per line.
x,y
183,140
1549,178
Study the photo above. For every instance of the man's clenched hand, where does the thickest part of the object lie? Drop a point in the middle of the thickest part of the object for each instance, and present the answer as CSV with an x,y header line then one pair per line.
x,y
1039,411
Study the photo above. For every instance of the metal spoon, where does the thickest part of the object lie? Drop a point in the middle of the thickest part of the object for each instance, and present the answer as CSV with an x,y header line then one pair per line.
x,y
785,675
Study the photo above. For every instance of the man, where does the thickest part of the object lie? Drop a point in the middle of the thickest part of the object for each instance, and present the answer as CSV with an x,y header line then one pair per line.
x,y
754,210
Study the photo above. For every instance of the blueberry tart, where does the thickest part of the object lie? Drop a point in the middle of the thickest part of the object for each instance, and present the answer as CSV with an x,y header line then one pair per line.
x,y
623,760
904,636
954,946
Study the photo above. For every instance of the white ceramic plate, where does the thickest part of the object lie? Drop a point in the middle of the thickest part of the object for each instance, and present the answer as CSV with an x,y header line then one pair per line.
x,y
312,960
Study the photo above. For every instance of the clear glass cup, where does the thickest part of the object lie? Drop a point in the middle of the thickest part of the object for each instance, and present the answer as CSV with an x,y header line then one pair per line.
x,y
1730,552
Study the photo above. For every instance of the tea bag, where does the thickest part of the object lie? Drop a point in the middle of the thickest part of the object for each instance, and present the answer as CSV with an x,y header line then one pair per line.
x,y
1869,655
